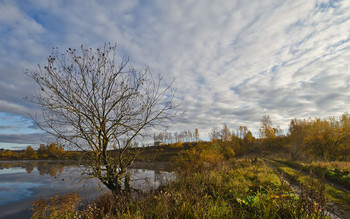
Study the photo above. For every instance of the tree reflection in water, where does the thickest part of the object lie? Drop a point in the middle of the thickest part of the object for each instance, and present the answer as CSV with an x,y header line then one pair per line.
x,y
22,182
29,168
142,177
52,168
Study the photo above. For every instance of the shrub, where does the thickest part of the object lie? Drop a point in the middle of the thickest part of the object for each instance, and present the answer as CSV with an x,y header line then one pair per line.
x,y
196,159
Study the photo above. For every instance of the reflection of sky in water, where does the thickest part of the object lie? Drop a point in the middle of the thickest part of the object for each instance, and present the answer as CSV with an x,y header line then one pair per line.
x,y
12,170
147,179
24,183
15,191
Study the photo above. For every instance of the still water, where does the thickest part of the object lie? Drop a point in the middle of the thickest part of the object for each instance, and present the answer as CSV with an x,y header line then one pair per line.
x,y
22,182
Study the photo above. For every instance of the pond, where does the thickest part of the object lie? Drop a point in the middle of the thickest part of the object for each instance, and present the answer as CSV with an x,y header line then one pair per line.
x,y
22,182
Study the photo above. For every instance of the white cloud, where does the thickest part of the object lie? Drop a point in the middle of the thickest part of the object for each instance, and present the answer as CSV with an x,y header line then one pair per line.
x,y
233,61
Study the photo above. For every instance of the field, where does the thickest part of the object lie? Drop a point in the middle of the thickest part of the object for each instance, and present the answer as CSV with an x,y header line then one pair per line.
x,y
210,185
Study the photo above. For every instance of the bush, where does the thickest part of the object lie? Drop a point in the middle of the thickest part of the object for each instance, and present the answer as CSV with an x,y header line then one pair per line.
x,y
196,159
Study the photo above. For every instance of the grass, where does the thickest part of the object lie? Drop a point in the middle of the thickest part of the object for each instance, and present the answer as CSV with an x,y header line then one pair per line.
x,y
236,189
160,153
58,206
333,194
335,172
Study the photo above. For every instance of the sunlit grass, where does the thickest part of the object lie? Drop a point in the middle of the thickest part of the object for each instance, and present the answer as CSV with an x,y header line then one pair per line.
x,y
335,172
240,189
333,194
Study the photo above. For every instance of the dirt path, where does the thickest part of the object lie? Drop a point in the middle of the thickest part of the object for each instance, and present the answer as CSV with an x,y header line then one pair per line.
x,y
305,172
341,209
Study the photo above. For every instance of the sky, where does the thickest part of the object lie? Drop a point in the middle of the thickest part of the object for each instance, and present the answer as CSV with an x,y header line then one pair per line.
x,y
233,61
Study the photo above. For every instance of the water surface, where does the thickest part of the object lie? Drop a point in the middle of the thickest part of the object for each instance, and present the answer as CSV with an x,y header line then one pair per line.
x,y
23,182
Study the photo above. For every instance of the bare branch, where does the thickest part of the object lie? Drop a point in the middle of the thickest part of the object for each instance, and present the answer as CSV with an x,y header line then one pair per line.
x,y
90,101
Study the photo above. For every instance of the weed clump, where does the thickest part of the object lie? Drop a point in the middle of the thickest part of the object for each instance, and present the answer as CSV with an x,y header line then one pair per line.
x,y
58,206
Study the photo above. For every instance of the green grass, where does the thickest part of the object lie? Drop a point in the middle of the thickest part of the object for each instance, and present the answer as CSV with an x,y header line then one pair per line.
x,y
333,194
335,172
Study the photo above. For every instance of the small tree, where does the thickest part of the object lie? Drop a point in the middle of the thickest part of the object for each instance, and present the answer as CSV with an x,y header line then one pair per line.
x,y
95,103
30,153
214,135
271,137
60,151
266,129
248,139
196,134
52,149
225,133
43,151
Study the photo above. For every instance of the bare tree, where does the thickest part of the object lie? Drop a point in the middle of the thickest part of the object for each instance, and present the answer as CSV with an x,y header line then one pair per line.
x,y
225,133
214,135
242,132
96,103
196,134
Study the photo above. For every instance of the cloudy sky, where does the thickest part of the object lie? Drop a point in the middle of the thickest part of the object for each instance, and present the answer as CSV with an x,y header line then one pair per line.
x,y
233,61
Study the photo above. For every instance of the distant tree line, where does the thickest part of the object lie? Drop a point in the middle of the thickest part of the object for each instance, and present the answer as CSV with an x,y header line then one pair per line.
x,y
51,151
232,143
177,137
306,139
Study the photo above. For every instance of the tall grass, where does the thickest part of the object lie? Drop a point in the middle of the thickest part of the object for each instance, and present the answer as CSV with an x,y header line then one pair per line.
x,y
237,189
58,206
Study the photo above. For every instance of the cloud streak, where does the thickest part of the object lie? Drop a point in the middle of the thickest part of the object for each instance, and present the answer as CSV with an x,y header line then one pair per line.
x,y
35,138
